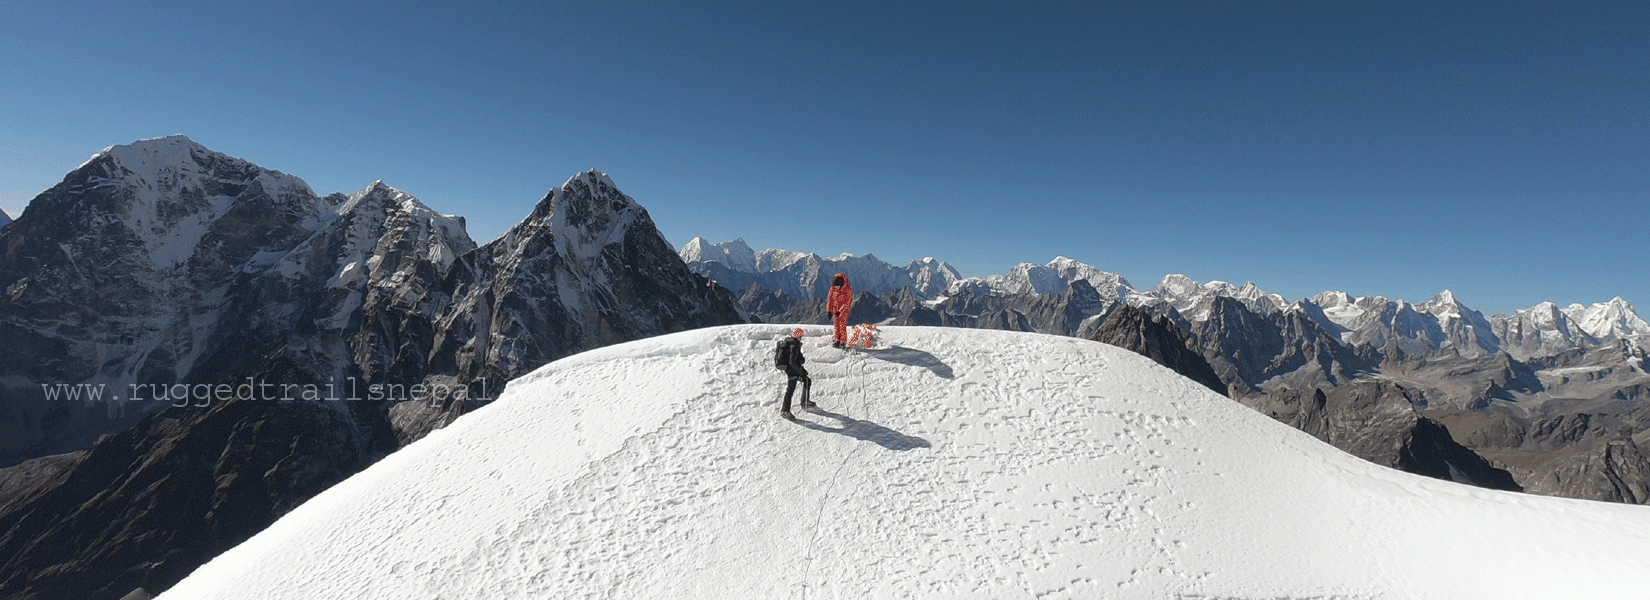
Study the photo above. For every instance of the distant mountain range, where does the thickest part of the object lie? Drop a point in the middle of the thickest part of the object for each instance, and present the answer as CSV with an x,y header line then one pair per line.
x,y
1558,397
1440,323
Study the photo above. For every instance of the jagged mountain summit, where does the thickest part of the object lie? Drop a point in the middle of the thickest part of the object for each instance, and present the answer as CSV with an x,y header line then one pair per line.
x,y
956,464
1046,280
1194,300
1440,323
5,219
587,268
255,343
1542,330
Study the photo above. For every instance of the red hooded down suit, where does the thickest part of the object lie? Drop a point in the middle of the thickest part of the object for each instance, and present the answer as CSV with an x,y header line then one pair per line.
x,y
837,304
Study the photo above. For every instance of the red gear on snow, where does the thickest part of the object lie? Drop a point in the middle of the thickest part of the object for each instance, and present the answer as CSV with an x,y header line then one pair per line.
x,y
865,334
837,303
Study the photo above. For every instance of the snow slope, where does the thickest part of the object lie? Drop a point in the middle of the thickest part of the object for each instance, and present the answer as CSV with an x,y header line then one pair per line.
x,y
956,464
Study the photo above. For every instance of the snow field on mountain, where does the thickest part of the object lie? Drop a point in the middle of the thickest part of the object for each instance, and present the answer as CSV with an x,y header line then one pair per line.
x,y
951,463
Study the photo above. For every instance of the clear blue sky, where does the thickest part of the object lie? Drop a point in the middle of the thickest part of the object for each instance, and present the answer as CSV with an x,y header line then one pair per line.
x,y
1498,149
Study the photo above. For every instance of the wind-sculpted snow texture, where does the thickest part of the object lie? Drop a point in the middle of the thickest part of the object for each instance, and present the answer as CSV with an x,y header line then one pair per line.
x,y
953,464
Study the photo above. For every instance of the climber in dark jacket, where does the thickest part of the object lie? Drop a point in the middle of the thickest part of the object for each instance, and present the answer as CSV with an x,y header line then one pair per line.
x,y
790,349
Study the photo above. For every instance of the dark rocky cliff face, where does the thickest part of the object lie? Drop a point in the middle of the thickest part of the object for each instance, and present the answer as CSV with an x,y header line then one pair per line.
x,y
118,275
1159,339
1591,455
1377,421
147,505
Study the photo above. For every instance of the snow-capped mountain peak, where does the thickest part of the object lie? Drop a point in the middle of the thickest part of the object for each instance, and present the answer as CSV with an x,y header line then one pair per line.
x,y
587,214
376,190
1443,304
1047,279
807,275
737,255
174,190
1188,296
1616,318
1541,330
406,212
167,149
143,254
774,260
1331,298
1176,285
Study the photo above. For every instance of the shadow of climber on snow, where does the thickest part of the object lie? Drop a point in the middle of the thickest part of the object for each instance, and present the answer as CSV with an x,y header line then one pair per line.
x,y
867,431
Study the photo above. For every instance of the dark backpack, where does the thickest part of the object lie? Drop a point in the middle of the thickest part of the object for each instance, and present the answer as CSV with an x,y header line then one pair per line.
x,y
782,353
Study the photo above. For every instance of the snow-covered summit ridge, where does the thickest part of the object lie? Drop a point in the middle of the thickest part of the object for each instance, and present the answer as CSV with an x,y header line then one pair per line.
x,y
1195,299
955,463
162,169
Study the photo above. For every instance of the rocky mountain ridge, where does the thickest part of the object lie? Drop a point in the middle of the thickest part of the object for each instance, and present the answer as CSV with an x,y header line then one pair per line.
x,y
256,343
122,274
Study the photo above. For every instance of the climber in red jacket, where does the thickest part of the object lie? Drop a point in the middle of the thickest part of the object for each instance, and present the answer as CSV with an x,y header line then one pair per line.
x,y
837,304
